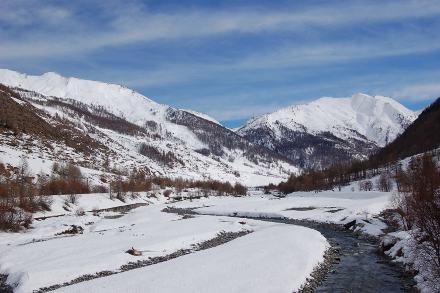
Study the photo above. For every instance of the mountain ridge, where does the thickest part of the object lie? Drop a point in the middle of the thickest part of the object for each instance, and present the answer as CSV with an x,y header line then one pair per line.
x,y
164,139
347,128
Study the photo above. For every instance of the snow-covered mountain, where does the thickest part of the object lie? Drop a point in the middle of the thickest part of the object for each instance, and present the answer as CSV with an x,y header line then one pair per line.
x,y
127,130
329,130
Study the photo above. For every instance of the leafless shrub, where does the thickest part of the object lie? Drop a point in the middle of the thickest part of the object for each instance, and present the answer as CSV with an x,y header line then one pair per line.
x,y
72,199
365,185
45,202
384,182
400,204
99,189
419,206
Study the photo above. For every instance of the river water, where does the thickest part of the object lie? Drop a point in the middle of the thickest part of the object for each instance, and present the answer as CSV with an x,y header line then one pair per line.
x,y
360,268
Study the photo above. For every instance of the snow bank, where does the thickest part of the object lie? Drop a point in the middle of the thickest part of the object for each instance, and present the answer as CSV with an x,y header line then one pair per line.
x,y
42,257
327,206
277,259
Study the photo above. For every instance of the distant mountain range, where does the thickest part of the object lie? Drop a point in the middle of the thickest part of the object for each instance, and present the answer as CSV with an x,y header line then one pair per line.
x,y
110,128
328,130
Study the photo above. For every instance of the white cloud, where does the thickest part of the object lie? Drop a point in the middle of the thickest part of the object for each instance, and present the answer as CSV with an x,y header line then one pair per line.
x,y
419,92
22,13
303,57
137,24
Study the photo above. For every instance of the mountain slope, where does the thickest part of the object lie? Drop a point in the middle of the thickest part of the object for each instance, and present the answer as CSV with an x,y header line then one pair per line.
x,y
136,132
327,130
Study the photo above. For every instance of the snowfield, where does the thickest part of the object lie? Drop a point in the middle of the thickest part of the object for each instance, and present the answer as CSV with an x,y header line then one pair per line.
x,y
276,258
328,206
273,258
41,258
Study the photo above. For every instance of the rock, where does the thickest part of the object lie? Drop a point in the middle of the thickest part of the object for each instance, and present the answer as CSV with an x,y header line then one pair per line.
x,y
387,243
134,252
350,224
74,229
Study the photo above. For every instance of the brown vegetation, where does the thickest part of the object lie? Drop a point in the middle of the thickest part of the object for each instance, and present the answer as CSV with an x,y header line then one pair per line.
x,y
418,204
21,194
19,117
18,197
168,158
333,177
65,179
138,181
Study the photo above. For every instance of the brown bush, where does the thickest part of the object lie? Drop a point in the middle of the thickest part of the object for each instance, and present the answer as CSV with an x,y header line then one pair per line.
x,y
65,179
139,182
21,195
419,205
99,189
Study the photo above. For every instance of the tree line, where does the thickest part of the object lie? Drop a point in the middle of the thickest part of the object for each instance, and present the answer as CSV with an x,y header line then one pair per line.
x,y
139,181
23,193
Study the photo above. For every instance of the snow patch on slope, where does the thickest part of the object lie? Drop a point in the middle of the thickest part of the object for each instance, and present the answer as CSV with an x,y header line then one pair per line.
x,y
202,115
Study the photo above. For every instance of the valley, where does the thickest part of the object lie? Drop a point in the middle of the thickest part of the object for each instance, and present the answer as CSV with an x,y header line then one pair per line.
x,y
105,190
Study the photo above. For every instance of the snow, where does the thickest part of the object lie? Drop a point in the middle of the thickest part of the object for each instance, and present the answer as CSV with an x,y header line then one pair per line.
x,y
57,259
138,109
327,206
277,258
375,118
39,257
202,115
116,98
273,258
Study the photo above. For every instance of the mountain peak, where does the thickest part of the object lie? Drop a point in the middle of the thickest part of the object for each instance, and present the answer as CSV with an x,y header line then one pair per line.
x,y
356,125
377,118
52,74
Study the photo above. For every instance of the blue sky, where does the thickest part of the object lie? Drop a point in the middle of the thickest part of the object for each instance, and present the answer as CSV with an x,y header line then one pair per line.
x,y
232,59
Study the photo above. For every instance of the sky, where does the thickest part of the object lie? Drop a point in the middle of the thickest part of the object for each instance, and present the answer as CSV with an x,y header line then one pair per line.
x,y
232,59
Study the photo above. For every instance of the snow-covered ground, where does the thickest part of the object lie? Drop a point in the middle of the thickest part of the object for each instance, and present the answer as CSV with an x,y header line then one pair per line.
x,y
273,258
328,206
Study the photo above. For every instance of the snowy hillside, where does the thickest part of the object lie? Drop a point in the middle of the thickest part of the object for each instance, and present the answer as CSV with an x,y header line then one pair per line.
x,y
343,128
129,130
